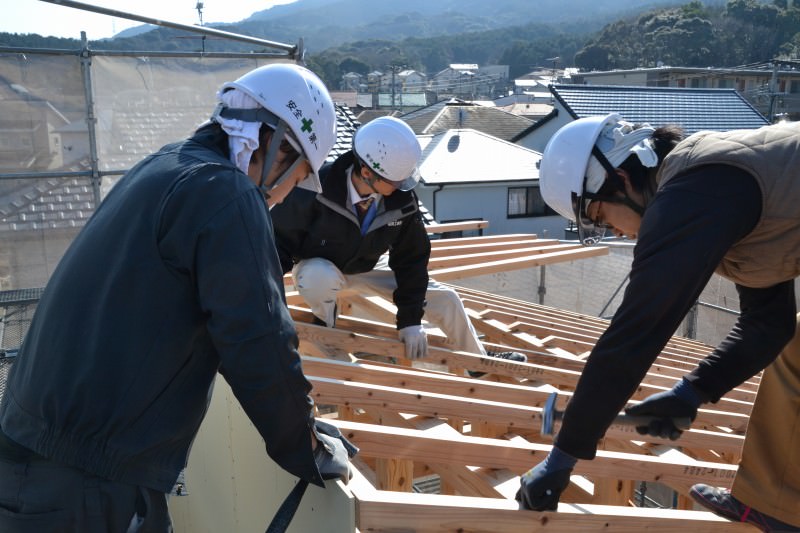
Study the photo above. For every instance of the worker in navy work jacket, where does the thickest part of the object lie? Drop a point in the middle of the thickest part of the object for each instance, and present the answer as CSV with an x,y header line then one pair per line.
x,y
715,201
173,279
336,242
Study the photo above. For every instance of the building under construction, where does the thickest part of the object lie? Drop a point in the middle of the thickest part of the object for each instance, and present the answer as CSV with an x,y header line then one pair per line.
x,y
440,451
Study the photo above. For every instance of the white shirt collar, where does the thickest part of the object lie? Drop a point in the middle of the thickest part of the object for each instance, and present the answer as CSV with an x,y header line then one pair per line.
x,y
354,196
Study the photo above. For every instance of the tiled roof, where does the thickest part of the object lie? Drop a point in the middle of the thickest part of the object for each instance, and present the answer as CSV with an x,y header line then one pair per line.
x,y
49,203
346,125
368,115
460,156
68,203
489,120
693,109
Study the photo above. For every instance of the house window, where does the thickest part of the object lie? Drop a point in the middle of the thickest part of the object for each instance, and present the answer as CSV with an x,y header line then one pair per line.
x,y
527,202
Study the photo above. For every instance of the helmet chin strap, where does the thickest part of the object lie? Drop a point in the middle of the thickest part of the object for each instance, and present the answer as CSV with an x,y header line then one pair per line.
x,y
272,154
369,181
614,177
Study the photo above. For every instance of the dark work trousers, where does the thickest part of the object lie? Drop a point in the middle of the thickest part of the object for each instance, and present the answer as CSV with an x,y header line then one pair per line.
x,y
40,496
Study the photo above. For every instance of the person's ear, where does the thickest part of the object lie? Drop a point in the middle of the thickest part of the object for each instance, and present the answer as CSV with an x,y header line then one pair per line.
x,y
626,179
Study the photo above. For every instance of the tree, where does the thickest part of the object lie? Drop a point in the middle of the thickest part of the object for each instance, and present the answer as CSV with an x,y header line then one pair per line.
x,y
594,57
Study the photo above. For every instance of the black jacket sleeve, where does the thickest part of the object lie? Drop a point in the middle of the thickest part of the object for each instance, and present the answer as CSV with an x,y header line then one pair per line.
x,y
408,259
686,230
765,325
240,286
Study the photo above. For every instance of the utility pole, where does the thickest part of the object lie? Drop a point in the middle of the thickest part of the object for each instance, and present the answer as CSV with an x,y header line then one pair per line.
x,y
199,8
395,68
394,71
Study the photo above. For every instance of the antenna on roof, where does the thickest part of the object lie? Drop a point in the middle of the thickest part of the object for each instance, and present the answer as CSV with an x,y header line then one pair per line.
x,y
199,8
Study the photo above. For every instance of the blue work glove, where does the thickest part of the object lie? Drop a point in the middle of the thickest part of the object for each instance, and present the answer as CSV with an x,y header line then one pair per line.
x,y
541,486
333,452
681,401
416,341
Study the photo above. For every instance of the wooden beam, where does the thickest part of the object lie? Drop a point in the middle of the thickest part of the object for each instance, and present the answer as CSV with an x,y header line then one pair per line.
x,y
522,417
464,225
480,258
448,248
504,237
340,340
400,443
394,512
493,267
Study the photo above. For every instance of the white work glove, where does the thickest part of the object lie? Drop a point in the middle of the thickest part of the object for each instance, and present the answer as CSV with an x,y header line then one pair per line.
x,y
416,341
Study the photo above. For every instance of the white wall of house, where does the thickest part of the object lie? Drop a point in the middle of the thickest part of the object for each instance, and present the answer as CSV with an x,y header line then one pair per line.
x,y
537,139
487,202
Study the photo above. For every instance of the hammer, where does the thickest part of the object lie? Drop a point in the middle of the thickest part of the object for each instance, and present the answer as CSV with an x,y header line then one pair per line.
x,y
550,415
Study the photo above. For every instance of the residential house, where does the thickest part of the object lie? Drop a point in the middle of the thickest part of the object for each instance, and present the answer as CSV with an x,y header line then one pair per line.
x,y
692,109
470,81
29,124
351,81
458,114
412,81
772,87
468,174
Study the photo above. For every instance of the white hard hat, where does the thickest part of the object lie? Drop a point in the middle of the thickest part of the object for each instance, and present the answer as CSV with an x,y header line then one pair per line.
x,y
297,101
389,148
569,171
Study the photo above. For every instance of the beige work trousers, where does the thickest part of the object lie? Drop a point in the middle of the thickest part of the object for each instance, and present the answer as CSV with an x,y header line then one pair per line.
x,y
768,479
320,283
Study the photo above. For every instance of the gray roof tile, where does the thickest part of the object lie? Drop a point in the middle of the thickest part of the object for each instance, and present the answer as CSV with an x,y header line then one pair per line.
x,y
444,116
693,109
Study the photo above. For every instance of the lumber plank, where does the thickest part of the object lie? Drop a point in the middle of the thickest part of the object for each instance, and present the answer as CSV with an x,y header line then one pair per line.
x,y
444,249
477,258
514,416
340,340
393,512
401,443
464,225
503,237
493,267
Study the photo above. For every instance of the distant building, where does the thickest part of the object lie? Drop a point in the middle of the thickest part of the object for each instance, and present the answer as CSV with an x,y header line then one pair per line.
x,y
469,81
467,175
692,109
772,87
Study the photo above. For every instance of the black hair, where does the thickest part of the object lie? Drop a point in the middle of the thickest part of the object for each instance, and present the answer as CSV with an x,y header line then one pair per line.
x,y
643,179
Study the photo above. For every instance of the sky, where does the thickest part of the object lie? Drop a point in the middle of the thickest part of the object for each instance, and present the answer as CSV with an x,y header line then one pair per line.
x,y
44,18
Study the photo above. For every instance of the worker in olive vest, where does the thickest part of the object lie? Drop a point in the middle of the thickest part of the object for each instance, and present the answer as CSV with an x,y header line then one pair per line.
x,y
724,202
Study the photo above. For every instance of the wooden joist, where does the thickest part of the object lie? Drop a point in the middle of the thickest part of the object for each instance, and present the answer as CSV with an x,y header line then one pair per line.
x,y
428,418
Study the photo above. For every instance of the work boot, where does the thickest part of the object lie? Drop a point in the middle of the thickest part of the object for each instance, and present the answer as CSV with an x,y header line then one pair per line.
x,y
511,356
722,503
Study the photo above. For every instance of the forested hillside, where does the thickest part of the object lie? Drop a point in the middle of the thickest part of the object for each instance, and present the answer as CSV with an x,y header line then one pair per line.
x,y
694,34
741,32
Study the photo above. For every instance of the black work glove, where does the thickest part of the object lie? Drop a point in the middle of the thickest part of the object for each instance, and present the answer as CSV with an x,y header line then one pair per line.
x,y
541,486
681,401
333,452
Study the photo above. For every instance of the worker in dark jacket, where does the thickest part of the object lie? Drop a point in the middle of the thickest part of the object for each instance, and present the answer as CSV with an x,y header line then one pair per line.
x,y
334,242
724,201
174,279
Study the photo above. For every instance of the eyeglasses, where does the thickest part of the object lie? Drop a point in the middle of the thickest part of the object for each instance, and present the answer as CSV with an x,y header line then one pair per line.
x,y
590,231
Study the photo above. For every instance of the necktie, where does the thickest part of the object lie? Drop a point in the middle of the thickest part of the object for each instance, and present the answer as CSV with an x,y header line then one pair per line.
x,y
362,207
366,210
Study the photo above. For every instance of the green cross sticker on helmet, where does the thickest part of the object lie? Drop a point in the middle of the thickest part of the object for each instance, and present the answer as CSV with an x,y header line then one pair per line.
x,y
577,159
301,105
391,149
